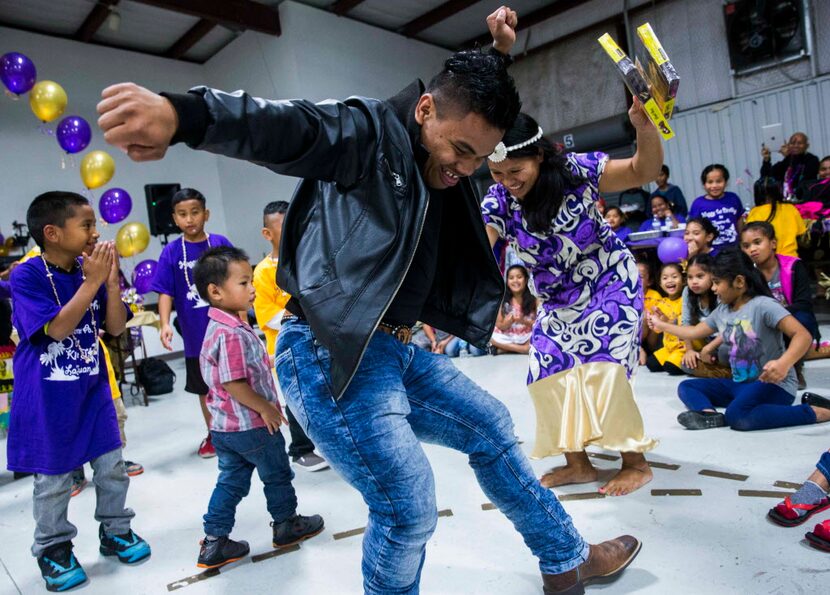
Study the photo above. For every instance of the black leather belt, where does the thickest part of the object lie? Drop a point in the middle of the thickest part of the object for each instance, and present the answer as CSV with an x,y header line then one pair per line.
x,y
402,332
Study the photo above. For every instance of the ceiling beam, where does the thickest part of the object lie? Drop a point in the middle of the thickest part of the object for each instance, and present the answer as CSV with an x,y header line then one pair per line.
x,y
434,16
189,39
534,18
235,14
94,20
341,7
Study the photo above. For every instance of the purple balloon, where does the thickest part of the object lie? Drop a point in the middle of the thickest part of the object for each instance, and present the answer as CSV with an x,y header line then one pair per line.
x,y
143,274
115,205
672,250
17,72
73,134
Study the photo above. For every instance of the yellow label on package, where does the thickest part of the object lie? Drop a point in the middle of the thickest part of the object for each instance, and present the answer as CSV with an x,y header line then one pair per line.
x,y
655,114
653,45
610,46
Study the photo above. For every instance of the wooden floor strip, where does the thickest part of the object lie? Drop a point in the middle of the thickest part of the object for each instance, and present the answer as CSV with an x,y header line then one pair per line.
x,y
351,533
603,456
764,494
488,506
581,496
274,553
669,466
684,492
723,475
193,579
789,485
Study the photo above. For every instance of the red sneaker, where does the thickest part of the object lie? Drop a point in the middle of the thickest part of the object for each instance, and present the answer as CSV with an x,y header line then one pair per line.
x,y
206,450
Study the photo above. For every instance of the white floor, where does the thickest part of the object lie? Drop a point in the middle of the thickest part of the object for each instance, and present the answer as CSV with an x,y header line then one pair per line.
x,y
718,542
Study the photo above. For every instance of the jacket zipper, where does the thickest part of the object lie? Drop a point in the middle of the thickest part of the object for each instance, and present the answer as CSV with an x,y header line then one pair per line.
x,y
389,303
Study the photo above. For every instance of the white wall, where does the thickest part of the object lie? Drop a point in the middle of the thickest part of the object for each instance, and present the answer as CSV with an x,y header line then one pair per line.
x,y
318,56
30,161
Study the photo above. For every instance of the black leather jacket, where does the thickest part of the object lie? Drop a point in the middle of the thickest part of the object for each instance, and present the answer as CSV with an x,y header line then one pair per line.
x,y
356,217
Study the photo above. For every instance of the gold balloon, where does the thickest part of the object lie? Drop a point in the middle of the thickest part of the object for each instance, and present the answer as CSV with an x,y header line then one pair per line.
x,y
47,100
132,239
97,168
3,250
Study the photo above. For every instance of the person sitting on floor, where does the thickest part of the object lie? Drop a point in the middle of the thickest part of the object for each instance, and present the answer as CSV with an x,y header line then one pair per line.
x,y
517,315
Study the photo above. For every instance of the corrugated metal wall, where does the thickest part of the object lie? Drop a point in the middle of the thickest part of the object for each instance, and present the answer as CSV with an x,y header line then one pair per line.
x,y
730,133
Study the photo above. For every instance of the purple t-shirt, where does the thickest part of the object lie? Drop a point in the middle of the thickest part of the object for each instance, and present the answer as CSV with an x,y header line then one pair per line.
x,y
62,414
724,214
170,279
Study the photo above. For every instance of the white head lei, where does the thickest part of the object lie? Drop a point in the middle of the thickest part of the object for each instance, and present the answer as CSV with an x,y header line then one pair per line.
x,y
500,153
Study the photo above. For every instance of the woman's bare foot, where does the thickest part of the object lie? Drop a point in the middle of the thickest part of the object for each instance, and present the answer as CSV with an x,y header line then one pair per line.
x,y
635,473
578,469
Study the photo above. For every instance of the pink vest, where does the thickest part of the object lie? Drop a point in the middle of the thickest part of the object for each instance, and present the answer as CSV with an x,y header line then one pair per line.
x,y
786,274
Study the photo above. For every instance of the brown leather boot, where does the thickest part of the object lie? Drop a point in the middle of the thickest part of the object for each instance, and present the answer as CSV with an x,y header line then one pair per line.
x,y
604,564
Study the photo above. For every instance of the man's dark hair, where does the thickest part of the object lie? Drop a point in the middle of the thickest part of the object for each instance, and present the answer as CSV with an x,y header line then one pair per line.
x,y
665,169
51,208
213,265
187,194
477,82
276,207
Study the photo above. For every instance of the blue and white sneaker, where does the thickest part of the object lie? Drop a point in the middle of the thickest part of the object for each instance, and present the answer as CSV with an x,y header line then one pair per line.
x,y
129,547
60,569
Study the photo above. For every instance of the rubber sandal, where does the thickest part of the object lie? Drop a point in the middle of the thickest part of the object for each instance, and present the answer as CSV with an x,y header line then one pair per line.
x,y
776,517
819,537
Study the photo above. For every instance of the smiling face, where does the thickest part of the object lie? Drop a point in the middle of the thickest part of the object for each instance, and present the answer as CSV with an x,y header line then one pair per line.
x,y
78,233
797,144
614,218
824,169
698,279
671,282
659,207
457,143
516,281
694,232
715,183
517,175
758,246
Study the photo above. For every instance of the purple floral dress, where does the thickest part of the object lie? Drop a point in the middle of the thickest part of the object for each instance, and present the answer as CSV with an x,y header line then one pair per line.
x,y
585,278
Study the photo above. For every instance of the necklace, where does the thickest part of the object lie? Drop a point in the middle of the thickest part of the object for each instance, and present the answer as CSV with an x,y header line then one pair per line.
x,y
184,258
89,355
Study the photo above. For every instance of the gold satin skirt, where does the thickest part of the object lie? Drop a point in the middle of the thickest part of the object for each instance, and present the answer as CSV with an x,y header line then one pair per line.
x,y
589,405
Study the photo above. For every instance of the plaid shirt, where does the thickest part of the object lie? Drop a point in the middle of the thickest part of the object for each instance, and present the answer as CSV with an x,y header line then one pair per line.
x,y
231,351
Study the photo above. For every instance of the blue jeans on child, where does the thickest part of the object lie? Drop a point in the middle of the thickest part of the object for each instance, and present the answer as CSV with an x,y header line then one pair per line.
x,y
239,453
53,492
456,346
823,465
749,405
399,396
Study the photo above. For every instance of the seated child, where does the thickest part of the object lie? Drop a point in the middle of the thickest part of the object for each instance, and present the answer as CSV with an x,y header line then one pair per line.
x,y
430,339
752,325
699,301
811,498
616,219
786,277
245,413
62,415
670,308
514,323
699,236
649,340
662,216
784,217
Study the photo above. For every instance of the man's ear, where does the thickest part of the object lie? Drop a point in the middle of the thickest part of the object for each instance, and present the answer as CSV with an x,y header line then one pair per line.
x,y
425,108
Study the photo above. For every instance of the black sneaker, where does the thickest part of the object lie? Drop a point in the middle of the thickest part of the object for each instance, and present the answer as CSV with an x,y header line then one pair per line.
x,y
60,569
296,529
701,420
220,551
129,547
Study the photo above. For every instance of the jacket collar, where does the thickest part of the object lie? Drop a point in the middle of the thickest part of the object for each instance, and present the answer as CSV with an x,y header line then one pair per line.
x,y
403,106
225,318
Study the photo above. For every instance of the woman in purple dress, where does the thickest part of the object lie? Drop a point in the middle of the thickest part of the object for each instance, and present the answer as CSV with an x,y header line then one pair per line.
x,y
584,346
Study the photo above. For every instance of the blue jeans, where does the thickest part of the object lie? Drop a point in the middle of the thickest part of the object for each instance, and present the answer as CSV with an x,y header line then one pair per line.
x,y
239,454
456,346
399,396
808,320
823,465
749,405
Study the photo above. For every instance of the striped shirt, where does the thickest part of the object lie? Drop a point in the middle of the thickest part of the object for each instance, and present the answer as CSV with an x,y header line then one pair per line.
x,y
231,351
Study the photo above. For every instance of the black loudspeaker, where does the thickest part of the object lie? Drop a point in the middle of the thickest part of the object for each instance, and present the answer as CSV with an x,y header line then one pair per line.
x,y
160,209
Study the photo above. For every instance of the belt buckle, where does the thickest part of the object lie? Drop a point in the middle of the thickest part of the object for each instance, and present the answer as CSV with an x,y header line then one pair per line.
x,y
402,334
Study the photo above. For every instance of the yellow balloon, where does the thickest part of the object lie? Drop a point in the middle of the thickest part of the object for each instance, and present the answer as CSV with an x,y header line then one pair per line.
x,y
132,239
47,100
97,168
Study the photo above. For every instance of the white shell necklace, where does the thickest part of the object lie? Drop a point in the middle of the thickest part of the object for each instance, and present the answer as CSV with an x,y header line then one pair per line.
x,y
89,355
184,258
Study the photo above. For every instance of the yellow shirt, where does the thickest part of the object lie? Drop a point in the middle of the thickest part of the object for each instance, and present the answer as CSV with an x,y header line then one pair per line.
x,y
114,388
270,300
651,299
788,224
673,347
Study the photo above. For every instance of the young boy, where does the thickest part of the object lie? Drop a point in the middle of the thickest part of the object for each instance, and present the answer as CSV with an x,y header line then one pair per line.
x,y
175,286
269,305
62,415
246,415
